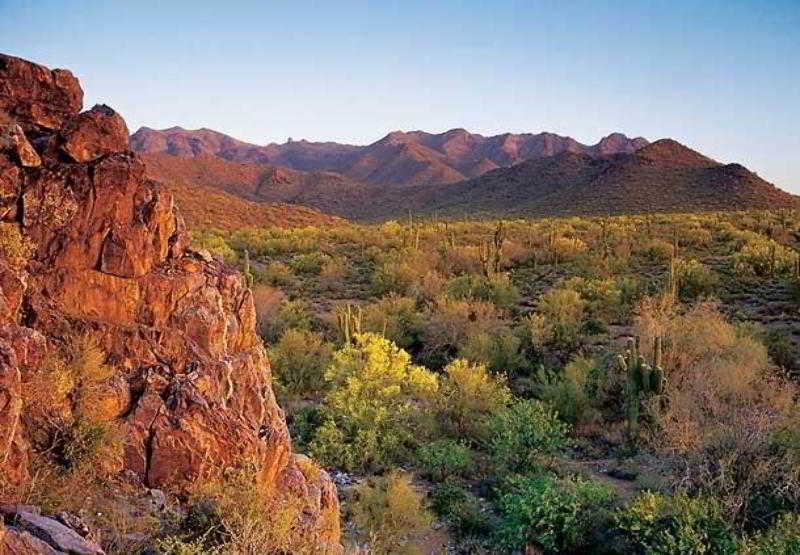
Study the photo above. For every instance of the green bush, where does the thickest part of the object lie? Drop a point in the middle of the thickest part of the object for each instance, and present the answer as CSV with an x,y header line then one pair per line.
x,y
396,318
390,512
761,256
562,310
695,279
310,263
461,508
566,392
522,434
469,395
559,515
782,538
657,523
378,408
500,352
496,289
84,442
275,273
444,458
299,360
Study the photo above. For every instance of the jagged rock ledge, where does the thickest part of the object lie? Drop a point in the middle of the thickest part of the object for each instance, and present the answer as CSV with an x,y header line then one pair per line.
x,y
192,393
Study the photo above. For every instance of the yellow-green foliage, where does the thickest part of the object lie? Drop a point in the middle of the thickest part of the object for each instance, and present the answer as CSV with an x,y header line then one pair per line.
x,y
396,318
15,248
761,256
376,407
562,310
469,396
658,524
299,360
390,513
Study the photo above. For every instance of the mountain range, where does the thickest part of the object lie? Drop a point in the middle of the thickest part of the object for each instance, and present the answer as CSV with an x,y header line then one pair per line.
x,y
459,172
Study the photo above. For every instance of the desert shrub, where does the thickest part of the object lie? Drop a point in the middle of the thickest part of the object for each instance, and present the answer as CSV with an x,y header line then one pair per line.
x,y
273,321
695,279
396,318
566,393
562,310
761,256
602,297
781,349
303,425
521,435
656,251
299,360
559,515
461,508
173,545
267,301
496,289
724,406
782,538
430,286
310,263
390,512
333,273
84,442
656,523
469,395
462,260
376,409
452,322
15,248
499,352
562,249
275,273
400,271
444,458
235,515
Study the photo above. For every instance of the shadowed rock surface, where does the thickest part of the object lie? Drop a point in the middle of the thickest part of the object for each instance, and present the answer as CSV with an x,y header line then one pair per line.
x,y
192,392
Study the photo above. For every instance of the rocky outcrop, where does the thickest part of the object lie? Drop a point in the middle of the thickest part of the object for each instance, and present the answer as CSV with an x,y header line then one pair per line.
x,y
192,391
31,532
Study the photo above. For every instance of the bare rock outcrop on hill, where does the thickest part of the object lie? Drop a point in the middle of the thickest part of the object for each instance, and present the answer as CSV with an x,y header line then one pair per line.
x,y
192,390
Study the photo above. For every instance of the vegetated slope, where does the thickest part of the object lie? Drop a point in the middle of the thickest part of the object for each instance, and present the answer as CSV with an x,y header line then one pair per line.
x,y
663,176
206,207
326,191
546,174
399,158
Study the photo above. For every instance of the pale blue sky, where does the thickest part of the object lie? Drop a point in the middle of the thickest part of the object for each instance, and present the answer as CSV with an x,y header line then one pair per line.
x,y
721,76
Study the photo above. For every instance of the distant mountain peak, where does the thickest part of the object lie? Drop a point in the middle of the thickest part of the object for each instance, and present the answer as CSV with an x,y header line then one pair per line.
x,y
673,153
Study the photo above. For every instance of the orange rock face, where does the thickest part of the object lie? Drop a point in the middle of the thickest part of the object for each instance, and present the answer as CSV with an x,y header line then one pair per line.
x,y
193,393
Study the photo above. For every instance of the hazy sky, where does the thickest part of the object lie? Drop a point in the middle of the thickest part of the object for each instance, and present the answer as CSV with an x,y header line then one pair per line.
x,y
720,76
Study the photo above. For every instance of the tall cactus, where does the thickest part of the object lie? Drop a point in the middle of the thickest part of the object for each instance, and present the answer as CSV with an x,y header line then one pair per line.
x,y
349,322
247,270
643,380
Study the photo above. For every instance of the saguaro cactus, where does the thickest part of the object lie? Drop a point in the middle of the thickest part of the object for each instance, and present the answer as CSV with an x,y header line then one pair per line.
x,y
643,380
349,322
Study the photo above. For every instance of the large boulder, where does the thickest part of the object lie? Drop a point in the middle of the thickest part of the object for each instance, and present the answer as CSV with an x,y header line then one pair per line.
x,y
92,134
35,96
26,521
192,394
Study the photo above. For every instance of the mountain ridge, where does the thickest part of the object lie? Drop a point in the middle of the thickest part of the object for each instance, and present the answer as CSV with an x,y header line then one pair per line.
x,y
400,157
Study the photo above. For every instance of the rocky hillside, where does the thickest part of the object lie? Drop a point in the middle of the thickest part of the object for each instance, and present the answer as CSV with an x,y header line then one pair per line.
x,y
281,195
92,248
664,176
460,173
400,158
